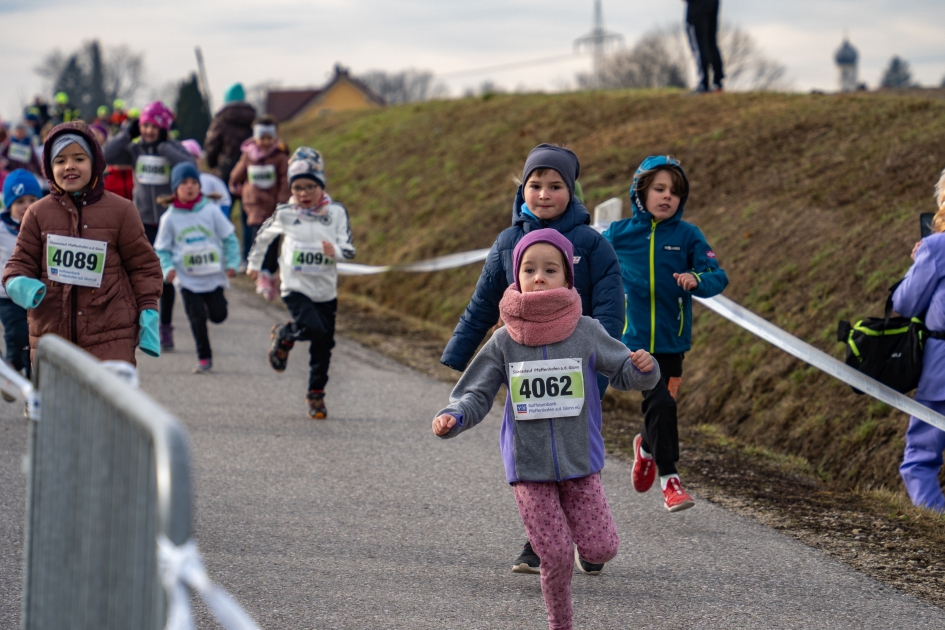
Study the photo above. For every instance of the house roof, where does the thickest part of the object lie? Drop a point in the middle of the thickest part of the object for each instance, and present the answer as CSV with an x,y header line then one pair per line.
x,y
284,104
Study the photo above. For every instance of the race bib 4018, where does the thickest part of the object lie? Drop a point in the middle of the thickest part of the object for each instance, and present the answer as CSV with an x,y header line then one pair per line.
x,y
78,261
546,389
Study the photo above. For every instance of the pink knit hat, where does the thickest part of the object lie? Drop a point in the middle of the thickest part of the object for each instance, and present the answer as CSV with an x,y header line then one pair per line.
x,y
158,114
545,235
193,147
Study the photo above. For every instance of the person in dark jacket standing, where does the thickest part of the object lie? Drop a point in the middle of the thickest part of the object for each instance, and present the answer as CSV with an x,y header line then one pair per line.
x,y
229,129
702,24
548,184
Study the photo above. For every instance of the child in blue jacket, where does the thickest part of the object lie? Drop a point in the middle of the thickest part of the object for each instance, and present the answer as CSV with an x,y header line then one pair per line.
x,y
546,199
664,261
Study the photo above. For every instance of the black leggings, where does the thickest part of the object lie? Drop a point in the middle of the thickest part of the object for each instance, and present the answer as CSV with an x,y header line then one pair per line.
x,y
200,307
315,322
660,426
167,295
703,26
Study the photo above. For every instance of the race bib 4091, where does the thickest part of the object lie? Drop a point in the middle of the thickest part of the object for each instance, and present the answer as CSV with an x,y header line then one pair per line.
x,y
546,389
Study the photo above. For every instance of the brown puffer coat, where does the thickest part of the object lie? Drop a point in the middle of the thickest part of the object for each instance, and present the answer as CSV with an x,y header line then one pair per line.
x,y
260,201
102,321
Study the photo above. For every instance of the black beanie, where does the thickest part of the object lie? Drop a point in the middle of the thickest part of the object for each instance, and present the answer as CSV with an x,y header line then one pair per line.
x,y
558,158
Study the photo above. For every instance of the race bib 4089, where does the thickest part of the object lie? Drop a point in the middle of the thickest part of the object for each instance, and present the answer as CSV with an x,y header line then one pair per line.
x,y
78,261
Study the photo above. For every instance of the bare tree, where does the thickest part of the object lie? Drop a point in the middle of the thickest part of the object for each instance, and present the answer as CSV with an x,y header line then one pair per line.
x,y
119,73
406,86
662,58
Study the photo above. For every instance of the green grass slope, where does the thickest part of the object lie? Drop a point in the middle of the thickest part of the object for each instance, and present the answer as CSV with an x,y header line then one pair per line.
x,y
811,203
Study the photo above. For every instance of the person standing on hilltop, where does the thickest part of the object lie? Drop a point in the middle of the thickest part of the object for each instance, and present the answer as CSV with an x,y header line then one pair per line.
x,y
229,129
702,25
922,294
546,199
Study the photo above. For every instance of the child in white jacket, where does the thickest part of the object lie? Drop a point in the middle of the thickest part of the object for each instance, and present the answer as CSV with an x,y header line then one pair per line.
x,y
315,234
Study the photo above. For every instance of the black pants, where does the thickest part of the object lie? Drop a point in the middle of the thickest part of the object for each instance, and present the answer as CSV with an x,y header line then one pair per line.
x,y
314,322
703,25
271,261
167,295
16,335
660,427
199,307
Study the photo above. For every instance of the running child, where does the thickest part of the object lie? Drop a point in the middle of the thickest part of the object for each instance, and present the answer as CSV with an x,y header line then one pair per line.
x,y
18,151
548,355
546,199
83,267
145,144
664,262
211,186
315,232
20,190
260,180
195,243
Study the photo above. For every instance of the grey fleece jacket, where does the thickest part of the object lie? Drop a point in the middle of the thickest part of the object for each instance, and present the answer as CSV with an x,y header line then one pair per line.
x,y
548,449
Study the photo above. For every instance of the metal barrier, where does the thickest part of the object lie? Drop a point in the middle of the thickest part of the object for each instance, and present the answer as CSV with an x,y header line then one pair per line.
x,y
109,473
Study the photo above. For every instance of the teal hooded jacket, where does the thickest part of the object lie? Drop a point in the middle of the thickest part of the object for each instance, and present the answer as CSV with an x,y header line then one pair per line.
x,y
659,311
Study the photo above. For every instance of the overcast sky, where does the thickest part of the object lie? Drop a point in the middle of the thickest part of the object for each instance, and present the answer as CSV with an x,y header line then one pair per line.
x,y
297,42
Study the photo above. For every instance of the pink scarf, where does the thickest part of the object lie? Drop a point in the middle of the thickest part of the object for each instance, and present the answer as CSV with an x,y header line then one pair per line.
x,y
540,318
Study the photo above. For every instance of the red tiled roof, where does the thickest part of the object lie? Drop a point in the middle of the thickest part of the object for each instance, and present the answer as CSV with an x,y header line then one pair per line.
x,y
284,104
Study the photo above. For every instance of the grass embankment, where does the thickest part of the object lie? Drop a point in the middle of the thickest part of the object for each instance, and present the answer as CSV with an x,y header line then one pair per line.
x,y
811,203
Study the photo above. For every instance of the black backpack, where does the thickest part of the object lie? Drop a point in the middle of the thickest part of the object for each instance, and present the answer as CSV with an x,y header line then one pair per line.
x,y
888,349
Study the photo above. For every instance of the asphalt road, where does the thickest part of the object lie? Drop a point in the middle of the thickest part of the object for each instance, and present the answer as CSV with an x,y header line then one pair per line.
x,y
366,520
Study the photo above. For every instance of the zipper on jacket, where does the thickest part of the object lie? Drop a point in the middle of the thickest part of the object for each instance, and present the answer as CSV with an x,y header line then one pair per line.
x,y
551,426
75,293
682,318
653,287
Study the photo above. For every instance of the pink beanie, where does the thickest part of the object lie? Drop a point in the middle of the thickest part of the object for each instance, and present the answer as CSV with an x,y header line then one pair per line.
x,y
545,235
158,114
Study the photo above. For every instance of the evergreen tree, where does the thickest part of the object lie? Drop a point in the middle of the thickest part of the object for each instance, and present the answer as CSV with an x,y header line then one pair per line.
x,y
897,74
193,117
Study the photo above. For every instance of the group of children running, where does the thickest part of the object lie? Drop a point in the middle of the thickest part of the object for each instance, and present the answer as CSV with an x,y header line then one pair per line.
x,y
580,310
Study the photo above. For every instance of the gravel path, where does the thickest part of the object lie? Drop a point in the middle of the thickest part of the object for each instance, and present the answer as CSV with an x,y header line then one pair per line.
x,y
366,520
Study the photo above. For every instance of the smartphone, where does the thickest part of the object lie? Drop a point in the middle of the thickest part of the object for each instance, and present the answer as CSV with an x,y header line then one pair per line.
x,y
925,223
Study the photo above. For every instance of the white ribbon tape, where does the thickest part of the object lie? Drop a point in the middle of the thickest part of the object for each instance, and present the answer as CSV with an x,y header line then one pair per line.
x,y
819,359
181,567
449,261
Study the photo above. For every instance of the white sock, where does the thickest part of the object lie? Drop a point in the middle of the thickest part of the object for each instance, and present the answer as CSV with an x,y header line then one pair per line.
x,y
644,454
664,479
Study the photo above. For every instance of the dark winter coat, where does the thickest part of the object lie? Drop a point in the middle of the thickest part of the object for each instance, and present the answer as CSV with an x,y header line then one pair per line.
x,y
232,125
104,320
596,278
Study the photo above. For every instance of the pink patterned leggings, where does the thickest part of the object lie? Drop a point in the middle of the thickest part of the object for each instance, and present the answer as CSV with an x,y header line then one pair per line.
x,y
558,516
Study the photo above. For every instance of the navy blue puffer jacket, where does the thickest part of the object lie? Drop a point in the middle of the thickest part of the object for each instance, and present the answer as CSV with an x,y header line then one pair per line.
x,y
596,278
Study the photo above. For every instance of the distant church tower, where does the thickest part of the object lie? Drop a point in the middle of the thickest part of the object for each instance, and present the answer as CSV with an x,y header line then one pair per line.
x,y
846,59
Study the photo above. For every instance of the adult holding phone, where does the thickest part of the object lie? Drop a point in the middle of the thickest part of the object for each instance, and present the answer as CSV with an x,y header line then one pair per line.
x,y
922,294
702,25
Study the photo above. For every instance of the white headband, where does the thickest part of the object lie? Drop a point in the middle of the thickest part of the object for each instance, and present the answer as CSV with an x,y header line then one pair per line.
x,y
264,130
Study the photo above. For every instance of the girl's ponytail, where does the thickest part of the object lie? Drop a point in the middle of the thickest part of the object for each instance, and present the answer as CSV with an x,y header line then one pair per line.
x,y
938,221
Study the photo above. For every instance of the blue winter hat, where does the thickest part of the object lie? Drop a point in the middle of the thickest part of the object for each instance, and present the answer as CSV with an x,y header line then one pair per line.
x,y
18,184
234,93
181,171
557,158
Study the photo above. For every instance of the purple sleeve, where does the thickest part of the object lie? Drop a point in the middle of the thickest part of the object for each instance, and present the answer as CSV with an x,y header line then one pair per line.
x,y
913,296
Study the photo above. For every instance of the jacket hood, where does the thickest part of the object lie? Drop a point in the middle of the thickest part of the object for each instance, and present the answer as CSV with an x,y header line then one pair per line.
x,y
96,187
240,113
575,214
640,212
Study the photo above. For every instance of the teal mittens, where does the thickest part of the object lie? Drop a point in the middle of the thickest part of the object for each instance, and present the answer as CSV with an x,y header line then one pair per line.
x,y
149,339
26,292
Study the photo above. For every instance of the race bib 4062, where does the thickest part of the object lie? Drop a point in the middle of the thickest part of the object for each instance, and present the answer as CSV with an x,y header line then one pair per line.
x,y
546,389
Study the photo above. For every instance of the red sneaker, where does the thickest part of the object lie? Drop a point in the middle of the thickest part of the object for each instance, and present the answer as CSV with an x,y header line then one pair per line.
x,y
644,468
675,498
